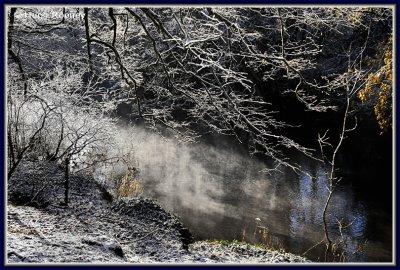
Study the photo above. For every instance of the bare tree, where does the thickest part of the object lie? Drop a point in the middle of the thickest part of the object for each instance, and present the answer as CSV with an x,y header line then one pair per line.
x,y
62,111
190,70
350,82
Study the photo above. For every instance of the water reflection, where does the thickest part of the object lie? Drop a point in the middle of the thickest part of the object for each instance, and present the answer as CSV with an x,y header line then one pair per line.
x,y
219,194
346,218
224,201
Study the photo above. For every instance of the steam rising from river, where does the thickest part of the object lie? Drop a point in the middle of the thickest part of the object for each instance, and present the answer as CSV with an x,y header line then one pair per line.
x,y
219,193
218,182
192,175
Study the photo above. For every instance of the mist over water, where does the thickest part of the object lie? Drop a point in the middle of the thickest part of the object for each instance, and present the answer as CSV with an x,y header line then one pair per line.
x,y
219,193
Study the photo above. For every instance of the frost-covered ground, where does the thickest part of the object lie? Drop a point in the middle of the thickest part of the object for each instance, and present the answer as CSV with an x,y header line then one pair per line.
x,y
95,230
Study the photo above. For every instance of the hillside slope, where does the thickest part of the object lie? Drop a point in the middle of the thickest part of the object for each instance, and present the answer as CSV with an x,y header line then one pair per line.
x,y
93,229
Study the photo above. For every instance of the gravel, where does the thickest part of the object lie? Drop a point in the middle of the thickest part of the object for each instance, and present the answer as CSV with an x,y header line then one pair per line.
x,y
95,230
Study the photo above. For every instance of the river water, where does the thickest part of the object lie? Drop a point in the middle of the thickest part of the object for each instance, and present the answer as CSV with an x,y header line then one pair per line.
x,y
220,195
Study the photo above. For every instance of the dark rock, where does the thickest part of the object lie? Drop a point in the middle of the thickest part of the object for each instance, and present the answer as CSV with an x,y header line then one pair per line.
x,y
186,238
17,257
105,243
117,250
90,242
105,194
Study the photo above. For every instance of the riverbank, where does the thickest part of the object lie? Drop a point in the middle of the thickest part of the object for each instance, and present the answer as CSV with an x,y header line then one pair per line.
x,y
94,229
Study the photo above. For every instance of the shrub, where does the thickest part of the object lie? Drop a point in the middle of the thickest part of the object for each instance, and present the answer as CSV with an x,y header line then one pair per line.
x,y
127,185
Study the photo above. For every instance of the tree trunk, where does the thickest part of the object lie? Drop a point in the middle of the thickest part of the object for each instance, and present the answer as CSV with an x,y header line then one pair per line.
x,y
327,238
13,55
88,40
66,183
